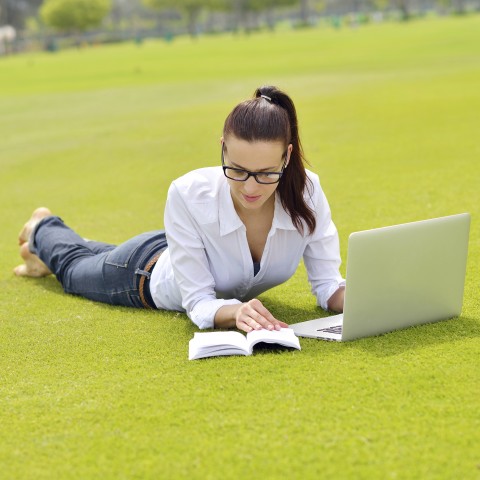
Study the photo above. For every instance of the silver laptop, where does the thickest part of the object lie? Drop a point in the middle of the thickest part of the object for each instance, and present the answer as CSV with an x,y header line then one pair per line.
x,y
397,277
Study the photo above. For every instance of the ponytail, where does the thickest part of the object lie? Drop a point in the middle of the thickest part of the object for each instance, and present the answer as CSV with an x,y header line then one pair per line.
x,y
271,116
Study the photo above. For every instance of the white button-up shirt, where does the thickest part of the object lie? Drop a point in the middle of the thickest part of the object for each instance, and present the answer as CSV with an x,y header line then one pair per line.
x,y
208,263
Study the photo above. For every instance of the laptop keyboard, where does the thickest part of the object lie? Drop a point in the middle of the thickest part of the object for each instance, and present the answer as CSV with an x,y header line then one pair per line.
x,y
334,329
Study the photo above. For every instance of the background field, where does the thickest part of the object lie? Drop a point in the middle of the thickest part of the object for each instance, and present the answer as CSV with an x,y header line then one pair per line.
x,y
389,116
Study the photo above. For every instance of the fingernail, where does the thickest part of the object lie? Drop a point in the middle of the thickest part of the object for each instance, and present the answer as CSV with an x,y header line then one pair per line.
x,y
270,327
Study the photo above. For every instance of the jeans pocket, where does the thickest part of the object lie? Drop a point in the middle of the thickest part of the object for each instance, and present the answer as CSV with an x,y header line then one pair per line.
x,y
121,255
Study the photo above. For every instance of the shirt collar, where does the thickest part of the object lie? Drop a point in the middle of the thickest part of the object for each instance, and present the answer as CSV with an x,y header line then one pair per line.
x,y
227,216
281,219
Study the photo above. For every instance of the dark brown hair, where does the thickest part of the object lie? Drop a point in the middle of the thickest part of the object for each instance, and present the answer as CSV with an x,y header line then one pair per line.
x,y
271,116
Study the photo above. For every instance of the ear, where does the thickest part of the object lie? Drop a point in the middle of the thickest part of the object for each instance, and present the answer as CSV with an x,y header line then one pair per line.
x,y
289,152
221,140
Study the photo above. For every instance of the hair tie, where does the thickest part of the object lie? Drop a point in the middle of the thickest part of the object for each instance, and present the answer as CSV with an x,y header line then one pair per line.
x,y
266,98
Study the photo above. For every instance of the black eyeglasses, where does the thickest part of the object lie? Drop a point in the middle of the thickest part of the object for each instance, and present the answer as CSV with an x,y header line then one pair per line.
x,y
240,175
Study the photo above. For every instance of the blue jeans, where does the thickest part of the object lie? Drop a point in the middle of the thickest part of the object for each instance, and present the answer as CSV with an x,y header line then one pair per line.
x,y
95,270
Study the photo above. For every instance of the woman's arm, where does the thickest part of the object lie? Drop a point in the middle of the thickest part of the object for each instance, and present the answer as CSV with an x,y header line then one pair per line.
x,y
247,316
322,255
189,261
336,301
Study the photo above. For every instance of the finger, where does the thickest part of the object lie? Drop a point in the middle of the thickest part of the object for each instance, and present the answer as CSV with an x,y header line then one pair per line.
x,y
244,327
263,311
255,316
272,322
258,322
258,306
251,324
251,318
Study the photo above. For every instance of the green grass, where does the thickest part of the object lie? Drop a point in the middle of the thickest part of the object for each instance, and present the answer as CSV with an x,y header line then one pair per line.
x,y
390,118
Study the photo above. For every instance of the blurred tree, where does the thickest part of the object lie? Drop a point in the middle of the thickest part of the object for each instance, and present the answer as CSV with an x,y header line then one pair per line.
x,y
245,12
191,8
15,12
443,5
380,5
404,7
269,6
304,11
459,6
74,15
123,12
312,7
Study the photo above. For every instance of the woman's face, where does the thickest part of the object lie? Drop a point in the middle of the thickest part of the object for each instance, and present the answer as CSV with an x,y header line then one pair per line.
x,y
253,157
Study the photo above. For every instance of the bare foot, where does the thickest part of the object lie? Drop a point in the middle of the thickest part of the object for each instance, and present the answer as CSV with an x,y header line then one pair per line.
x,y
27,229
33,266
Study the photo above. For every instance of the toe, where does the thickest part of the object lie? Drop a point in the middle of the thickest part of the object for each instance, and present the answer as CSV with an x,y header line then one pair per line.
x,y
25,251
27,229
20,271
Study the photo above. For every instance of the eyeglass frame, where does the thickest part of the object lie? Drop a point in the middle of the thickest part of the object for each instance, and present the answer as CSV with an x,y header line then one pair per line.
x,y
252,174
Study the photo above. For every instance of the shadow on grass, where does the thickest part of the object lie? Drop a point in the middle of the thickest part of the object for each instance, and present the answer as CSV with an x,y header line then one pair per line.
x,y
52,285
49,283
389,344
418,337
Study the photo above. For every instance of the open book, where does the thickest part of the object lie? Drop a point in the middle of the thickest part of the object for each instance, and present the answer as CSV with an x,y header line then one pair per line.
x,y
211,344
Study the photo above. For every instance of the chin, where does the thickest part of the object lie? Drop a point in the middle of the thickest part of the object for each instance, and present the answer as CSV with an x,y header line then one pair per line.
x,y
252,205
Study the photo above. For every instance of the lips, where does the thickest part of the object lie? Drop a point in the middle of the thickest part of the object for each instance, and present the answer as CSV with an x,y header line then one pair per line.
x,y
249,198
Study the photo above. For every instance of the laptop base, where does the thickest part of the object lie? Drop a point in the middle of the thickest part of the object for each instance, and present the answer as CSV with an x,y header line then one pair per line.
x,y
327,328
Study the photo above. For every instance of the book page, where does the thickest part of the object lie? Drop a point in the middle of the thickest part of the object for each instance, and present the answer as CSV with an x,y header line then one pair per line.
x,y
220,338
209,344
285,336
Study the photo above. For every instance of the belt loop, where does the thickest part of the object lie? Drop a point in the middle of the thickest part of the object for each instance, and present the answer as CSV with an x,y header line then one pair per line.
x,y
145,274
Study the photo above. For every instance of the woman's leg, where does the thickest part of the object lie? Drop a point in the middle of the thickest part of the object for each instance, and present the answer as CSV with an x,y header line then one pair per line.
x,y
33,266
99,247
111,276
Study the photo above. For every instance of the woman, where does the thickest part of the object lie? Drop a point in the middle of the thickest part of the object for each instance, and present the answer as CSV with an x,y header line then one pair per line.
x,y
231,232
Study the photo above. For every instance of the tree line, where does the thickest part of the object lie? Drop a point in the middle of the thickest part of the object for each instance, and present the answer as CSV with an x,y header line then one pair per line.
x,y
75,16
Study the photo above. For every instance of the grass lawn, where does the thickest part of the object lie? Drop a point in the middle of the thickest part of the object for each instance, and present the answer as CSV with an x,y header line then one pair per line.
x,y
390,118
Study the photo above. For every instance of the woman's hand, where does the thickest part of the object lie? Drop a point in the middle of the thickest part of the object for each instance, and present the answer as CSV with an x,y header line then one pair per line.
x,y
253,315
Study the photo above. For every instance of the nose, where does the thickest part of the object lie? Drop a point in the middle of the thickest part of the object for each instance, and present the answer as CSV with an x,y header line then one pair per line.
x,y
250,185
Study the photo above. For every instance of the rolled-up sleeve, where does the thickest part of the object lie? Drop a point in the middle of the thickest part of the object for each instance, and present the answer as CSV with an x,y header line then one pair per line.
x,y
190,264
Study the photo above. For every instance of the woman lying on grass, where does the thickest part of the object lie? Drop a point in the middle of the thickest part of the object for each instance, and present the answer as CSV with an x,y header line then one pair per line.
x,y
232,233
